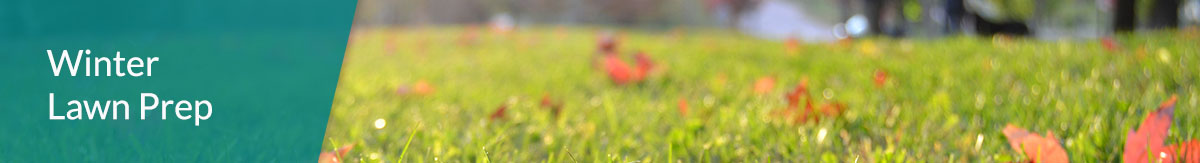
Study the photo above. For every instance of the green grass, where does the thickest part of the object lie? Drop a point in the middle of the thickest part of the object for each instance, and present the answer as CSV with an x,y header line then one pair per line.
x,y
946,99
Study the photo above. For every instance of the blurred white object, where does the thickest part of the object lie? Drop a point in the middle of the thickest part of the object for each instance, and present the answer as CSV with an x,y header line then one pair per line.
x,y
781,19
502,22
380,123
857,25
1190,13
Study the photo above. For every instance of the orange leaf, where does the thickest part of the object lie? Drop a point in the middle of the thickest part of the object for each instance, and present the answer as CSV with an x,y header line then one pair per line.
x,y
833,109
336,155
1149,137
683,106
1034,146
792,44
419,88
764,85
422,88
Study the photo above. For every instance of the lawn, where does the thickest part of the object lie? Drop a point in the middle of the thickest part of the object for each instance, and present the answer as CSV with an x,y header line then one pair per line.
x,y
431,95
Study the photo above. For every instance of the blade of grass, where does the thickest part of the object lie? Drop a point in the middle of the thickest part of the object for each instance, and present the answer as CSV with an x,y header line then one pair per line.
x,y
410,137
670,152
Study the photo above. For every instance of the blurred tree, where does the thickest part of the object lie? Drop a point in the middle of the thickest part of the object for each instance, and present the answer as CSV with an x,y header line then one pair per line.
x,y
1123,16
1165,14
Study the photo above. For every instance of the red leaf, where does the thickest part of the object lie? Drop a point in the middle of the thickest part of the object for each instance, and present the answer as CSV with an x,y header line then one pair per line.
x,y
555,107
546,102
1187,152
803,116
880,78
499,113
644,63
1149,137
802,90
1110,44
620,72
809,113
1034,146
336,155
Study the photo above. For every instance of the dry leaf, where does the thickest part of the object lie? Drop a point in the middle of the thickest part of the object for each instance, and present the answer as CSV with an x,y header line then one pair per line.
x,y
1034,146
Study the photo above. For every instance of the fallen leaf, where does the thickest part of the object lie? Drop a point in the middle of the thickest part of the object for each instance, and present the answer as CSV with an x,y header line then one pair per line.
x,y
1110,44
619,71
555,107
1187,152
833,109
644,63
880,78
801,90
808,114
1034,146
764,85
802,116
499,113
622,73
336,155
422,88
1149,137
683,106
792,44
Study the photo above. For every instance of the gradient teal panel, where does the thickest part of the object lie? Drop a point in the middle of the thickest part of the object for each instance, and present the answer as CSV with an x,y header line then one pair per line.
x,y
269,68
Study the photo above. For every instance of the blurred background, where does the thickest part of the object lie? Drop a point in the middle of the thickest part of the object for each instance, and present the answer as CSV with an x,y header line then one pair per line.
x,y
808,20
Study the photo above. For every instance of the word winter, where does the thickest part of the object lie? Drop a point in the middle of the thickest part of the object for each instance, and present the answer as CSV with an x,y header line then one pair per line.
x,y
102,109
133,66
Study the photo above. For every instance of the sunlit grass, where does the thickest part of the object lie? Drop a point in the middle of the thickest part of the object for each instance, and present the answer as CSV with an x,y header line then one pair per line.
x,y
945,99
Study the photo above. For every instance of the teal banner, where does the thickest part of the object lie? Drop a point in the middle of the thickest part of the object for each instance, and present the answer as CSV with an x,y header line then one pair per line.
x,y
168,81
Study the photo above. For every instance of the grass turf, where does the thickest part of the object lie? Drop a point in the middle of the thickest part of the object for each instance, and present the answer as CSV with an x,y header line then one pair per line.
x,y
944,100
